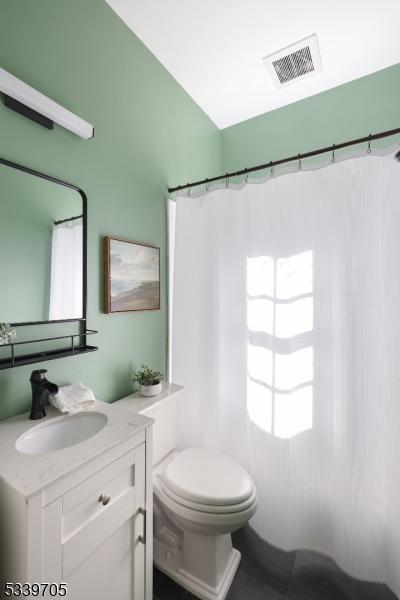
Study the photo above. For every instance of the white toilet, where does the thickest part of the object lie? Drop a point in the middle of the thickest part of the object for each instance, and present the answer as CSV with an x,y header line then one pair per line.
x,y
200,497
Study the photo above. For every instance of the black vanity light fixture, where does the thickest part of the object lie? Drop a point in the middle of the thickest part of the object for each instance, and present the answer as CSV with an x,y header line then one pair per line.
x,y
27,101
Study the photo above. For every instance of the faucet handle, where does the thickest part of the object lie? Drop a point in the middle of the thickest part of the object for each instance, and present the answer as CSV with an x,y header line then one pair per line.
x,y
38,375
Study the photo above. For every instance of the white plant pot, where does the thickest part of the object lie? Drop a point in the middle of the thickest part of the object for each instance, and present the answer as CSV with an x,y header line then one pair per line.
x,y
150,390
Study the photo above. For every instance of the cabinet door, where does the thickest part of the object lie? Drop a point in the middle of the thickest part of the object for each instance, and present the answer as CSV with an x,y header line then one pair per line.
x,y
100,552
108,572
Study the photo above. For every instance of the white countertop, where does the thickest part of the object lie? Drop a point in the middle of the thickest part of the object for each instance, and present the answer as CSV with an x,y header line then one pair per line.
x,y
28,473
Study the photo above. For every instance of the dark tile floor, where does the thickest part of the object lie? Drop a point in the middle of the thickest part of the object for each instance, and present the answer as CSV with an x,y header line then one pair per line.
x,y
267,573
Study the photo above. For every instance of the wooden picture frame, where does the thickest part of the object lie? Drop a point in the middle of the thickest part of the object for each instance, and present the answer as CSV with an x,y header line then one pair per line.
x,y
131,276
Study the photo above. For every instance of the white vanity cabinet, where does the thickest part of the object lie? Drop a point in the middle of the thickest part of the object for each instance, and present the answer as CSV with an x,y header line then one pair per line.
x,y
91,528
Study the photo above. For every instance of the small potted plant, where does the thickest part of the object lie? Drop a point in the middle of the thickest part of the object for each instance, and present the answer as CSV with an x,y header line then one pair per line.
x,y
149,381
7,335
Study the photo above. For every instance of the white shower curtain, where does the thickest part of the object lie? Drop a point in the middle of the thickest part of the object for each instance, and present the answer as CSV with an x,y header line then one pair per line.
x,y
66,271
285,334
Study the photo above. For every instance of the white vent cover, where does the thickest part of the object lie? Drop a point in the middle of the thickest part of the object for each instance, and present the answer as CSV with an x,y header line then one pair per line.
x,y
298,60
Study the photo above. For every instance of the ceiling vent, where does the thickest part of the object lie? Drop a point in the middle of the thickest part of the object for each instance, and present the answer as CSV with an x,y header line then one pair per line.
x,y
296,61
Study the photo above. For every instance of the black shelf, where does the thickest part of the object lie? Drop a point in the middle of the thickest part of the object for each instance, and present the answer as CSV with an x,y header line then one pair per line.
x,y
27,359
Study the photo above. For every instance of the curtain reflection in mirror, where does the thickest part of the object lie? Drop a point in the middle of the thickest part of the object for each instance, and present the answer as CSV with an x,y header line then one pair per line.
x,y
66,271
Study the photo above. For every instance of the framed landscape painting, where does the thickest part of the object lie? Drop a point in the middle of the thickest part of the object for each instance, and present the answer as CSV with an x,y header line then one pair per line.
x,y
132,276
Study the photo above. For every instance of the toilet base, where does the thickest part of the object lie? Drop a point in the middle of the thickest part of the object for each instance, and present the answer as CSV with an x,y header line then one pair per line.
x,y
204,587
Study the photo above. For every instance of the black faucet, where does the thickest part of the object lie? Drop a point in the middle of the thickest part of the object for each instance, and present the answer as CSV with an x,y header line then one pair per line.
x,y
41,391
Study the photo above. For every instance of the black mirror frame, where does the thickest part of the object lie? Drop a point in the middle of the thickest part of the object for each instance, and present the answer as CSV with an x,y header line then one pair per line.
x,y
73,349
30,171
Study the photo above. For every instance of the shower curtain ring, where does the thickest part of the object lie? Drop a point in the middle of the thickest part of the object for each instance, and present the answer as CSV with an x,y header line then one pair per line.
x,y
207,185
369,145
333,159
272,169
246,175
299,167
189,190
227,180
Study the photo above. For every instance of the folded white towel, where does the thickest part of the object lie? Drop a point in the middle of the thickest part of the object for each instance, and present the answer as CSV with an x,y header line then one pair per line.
x,y
73,398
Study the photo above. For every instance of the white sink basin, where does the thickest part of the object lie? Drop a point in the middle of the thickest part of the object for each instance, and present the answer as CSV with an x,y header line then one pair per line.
x,y
61,433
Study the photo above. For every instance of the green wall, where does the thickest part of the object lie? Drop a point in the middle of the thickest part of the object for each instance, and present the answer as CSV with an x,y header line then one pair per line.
x,y
148,134
367,105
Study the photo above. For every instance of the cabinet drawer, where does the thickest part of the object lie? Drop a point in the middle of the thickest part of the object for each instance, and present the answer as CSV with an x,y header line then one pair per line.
x,y
81,504
96,532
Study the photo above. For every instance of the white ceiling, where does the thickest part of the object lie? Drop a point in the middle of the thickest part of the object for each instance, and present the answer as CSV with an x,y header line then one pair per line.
x,y
214,48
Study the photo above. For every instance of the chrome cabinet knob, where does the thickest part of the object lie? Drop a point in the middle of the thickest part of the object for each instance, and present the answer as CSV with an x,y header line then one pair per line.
x,y
104,499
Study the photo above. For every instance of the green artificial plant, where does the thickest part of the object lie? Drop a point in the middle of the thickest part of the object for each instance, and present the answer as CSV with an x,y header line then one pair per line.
x,y
146,376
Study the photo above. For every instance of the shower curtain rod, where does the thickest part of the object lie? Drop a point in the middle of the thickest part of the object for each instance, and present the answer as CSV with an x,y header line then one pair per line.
x,y
69,219
273,163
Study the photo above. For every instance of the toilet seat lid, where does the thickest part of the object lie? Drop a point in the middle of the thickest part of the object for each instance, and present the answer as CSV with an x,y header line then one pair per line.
x,y
207,477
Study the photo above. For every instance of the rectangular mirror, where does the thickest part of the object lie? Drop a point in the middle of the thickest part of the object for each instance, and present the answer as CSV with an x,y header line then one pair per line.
x,y
42,247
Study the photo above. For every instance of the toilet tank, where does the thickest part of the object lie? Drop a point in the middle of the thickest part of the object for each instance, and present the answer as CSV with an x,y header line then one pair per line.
x,y
164,409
